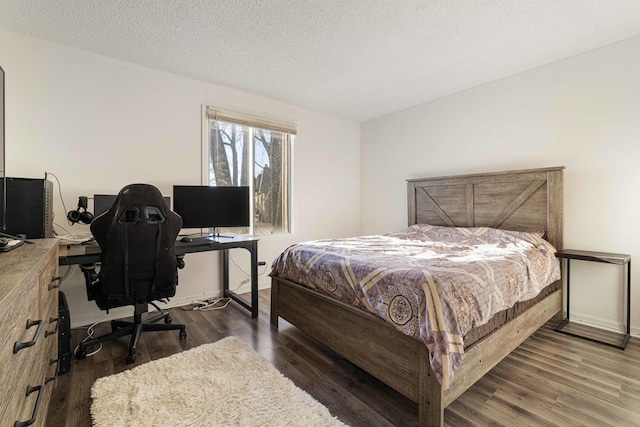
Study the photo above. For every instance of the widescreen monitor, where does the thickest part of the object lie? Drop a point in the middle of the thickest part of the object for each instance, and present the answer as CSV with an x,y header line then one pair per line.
x,y
201,206
103,202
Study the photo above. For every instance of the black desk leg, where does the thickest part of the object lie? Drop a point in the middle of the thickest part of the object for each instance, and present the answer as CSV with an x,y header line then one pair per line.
x,y
629,298
253,307
565,320
568,287
254,279
625,340
225,272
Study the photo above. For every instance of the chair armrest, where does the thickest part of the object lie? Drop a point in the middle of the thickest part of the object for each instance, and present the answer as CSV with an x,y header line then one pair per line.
x,y
180,259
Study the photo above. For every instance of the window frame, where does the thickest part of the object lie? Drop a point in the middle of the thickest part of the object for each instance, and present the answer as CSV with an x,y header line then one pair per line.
x,y
212,113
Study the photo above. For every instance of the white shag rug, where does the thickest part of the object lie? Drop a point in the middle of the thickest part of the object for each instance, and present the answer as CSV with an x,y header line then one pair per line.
x,y
225,383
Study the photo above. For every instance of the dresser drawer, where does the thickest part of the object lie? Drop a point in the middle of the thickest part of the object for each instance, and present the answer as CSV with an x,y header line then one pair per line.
x,y
50,374
14,321
40,379
28,370
49,283
28,331
22,407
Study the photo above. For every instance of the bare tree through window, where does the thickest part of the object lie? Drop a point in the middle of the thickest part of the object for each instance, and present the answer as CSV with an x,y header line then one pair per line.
x,y
237,152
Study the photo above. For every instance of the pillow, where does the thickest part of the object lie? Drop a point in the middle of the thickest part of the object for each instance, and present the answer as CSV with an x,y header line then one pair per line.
x,y
468,235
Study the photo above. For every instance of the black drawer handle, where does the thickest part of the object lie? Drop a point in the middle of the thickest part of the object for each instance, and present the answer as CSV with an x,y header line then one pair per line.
x,y
57,285
55,330
30,421
20,345
51,362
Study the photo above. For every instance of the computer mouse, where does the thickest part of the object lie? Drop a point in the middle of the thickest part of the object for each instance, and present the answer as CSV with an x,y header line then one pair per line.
x,y
186,239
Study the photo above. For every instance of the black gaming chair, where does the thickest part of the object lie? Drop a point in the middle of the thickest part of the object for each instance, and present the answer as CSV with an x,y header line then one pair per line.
x,y
138,263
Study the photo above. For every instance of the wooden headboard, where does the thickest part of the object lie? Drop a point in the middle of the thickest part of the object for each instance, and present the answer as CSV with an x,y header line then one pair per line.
x,y
525,200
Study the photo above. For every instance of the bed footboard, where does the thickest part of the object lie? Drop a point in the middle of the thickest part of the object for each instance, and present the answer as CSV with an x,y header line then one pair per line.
x,y
361,338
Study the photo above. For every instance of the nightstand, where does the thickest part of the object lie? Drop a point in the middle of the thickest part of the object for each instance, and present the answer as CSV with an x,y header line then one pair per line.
x,y
603,257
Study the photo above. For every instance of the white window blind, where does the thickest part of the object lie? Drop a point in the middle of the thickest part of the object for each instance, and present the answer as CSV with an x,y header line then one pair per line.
x,y
255,122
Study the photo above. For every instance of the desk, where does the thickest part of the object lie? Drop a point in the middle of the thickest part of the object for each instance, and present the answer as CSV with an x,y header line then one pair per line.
x,y
89,254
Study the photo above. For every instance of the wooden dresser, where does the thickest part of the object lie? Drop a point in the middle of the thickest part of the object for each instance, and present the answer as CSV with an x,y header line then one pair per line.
x,y
28,332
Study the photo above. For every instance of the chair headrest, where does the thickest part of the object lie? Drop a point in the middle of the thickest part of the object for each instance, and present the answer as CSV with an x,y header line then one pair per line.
x,y
138,202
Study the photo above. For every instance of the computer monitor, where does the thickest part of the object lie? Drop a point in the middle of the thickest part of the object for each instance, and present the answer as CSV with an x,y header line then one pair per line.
x,y
201,206
103,202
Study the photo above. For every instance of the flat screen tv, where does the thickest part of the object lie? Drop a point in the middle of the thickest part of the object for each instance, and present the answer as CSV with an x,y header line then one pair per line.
x,y
211,207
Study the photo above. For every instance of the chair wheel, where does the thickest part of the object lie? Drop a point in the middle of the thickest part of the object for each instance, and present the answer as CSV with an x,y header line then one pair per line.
x,y
168,319
131,357
183,334
80,353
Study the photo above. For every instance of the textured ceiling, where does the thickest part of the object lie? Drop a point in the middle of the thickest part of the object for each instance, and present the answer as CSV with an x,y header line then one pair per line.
x,y
357,59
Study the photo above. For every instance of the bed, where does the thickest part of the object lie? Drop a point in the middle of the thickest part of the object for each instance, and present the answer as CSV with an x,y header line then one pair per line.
x,y
527,200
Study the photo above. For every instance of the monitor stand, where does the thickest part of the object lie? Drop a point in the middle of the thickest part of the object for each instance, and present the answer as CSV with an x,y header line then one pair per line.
x,y
216,234
198,238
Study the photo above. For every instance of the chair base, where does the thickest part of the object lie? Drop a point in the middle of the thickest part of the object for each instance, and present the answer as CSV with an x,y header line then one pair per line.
x,y
120,328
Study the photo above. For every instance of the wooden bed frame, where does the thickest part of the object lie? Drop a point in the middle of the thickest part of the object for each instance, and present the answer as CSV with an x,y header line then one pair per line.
x,y
526,200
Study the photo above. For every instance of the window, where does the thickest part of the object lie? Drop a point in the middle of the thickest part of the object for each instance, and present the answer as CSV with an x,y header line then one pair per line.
x,y
252,152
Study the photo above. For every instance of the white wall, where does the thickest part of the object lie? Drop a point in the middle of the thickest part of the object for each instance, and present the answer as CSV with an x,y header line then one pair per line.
x,y
99,124
582,113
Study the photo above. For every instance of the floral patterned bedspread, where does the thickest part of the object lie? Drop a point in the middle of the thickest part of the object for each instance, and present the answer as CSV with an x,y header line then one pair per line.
x,y
432,283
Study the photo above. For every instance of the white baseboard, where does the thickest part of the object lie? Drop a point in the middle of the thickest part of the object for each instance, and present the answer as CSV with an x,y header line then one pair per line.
x,y
602,323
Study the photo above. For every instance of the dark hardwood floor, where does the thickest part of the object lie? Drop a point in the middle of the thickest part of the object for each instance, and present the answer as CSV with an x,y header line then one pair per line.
x,y
552,379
